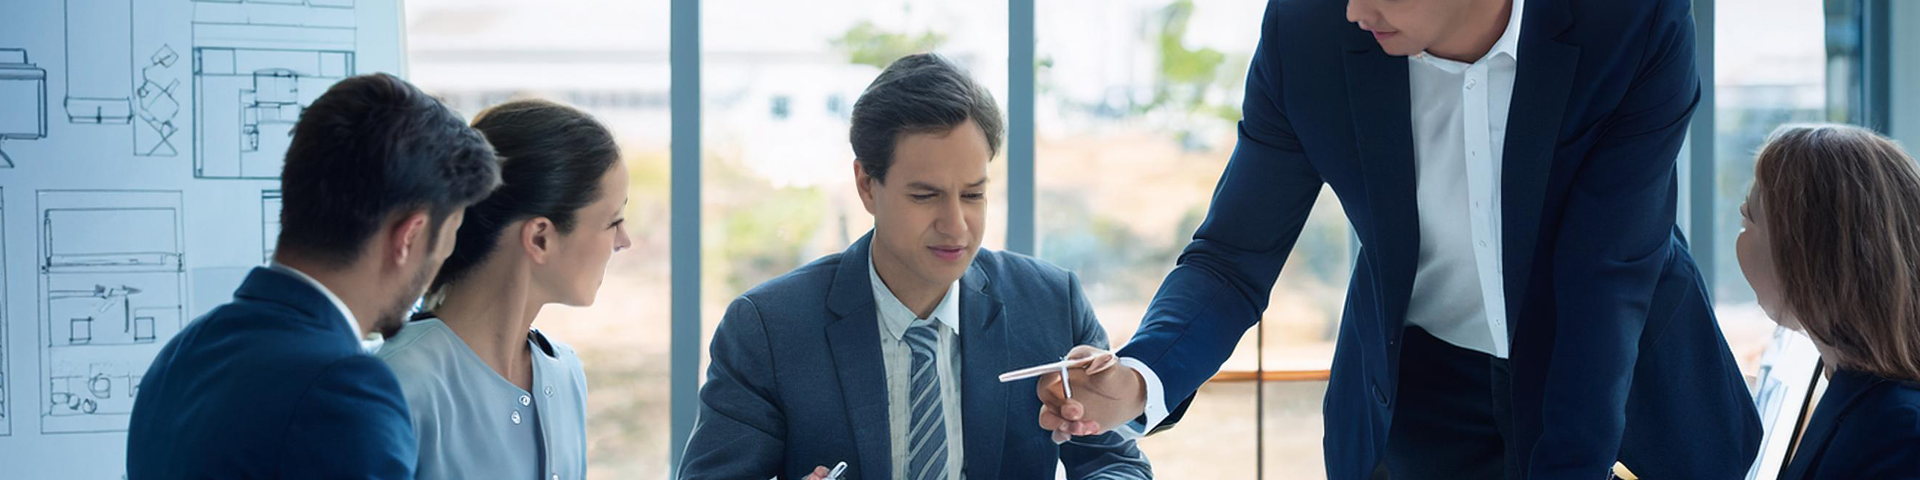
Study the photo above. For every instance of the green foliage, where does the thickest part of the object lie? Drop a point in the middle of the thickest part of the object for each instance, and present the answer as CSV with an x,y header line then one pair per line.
x,y
868,44
1184,73
762,230
1187,74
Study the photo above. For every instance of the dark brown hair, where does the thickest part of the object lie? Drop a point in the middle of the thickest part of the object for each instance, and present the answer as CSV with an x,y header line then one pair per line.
x,y
551,159
919,93
1842,206
369,148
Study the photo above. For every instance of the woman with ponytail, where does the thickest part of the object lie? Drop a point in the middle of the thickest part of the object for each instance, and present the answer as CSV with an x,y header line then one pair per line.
x,y
492,397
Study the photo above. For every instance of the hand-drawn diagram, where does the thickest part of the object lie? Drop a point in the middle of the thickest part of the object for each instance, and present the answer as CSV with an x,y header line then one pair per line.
x,y
269,223
99,61
6,417
23,101
256,65
111,282
159,105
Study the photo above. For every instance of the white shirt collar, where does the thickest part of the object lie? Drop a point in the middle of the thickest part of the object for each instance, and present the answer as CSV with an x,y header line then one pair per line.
x,y
896,317
1508,44
373,340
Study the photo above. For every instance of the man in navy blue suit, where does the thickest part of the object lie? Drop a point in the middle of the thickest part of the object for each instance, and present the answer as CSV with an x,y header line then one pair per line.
x,y
1523,305
277,384
886,356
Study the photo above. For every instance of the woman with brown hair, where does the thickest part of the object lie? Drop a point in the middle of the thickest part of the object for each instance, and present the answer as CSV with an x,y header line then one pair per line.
x,y
490,395
1831,244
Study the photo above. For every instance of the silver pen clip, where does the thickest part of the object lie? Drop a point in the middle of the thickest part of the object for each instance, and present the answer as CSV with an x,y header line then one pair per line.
x,y
1063,379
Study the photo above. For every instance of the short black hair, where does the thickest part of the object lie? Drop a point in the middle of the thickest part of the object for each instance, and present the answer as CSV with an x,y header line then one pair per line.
x,y
552,157
920,93
371,147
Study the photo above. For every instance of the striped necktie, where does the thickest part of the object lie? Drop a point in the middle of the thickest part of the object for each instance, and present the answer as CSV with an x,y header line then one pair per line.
x,y
927,432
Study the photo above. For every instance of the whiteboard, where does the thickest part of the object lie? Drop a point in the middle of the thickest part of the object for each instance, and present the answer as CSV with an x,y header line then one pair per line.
x,y
1787,372
140,148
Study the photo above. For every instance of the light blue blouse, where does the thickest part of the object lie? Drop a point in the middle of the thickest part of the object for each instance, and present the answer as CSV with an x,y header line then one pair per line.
x,y
472,423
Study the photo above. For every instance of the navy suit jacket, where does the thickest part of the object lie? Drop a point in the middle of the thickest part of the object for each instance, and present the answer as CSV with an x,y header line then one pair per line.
x,y
797,379
1616,353
1865,427
273,385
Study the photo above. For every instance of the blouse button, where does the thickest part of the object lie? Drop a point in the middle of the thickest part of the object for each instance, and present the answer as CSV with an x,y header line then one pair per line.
x,y
526,400
549,390
516,417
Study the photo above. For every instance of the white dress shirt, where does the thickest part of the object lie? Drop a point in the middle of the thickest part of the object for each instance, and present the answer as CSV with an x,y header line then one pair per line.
x,y
895,317
1459,126
371,343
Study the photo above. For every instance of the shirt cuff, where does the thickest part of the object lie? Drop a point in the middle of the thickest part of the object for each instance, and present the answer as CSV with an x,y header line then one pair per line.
x,y
1156,402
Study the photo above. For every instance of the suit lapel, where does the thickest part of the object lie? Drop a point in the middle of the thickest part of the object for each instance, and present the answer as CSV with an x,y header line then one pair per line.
x,y
1542,80
1381,105
984,346
854,340
1843,390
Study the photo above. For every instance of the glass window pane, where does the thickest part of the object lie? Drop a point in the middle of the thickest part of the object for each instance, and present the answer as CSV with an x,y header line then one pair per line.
x,y
608,57
1137,108
1770,68
1292,430
1904,81
1215,440
778,84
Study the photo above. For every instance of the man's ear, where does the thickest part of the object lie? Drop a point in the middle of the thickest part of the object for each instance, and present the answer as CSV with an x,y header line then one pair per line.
x,y
405,233
538,237
865,183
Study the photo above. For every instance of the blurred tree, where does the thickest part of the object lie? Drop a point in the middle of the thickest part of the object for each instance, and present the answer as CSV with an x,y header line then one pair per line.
x,y
1187,75
1184,72
868,44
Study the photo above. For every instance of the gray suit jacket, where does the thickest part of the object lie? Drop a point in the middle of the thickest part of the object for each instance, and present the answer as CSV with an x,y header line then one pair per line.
x,y
797,379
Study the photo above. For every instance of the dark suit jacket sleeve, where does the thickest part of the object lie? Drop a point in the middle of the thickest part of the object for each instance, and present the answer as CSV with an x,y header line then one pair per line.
x,y
1104,456
1613,245
1224,277
741,432
351,423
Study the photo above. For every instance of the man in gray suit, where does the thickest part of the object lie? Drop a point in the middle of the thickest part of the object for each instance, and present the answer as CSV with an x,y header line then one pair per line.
x,y
887,356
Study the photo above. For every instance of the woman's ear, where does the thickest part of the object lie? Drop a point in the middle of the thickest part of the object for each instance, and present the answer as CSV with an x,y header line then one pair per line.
x,y
537,237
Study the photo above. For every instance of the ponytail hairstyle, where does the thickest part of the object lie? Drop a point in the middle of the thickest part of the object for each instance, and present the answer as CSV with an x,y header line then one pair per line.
x,y
552,157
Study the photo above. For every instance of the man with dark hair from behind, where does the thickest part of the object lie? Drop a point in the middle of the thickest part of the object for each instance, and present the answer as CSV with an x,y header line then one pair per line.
x,y
278,384
886,356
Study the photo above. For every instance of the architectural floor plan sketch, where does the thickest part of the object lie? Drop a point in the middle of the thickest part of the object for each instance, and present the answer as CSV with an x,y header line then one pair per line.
x,y
23,101
269,223
159,96
111,291
6,362
99,61
256,65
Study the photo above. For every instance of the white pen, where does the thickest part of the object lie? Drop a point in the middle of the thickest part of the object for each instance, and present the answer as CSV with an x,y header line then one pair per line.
x,y
837,470
1038,370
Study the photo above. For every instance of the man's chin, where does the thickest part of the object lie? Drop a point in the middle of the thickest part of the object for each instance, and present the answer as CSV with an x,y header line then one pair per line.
x,y
389,325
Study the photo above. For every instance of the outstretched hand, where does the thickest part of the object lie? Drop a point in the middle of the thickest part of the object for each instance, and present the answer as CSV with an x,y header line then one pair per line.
x,y
1105,395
